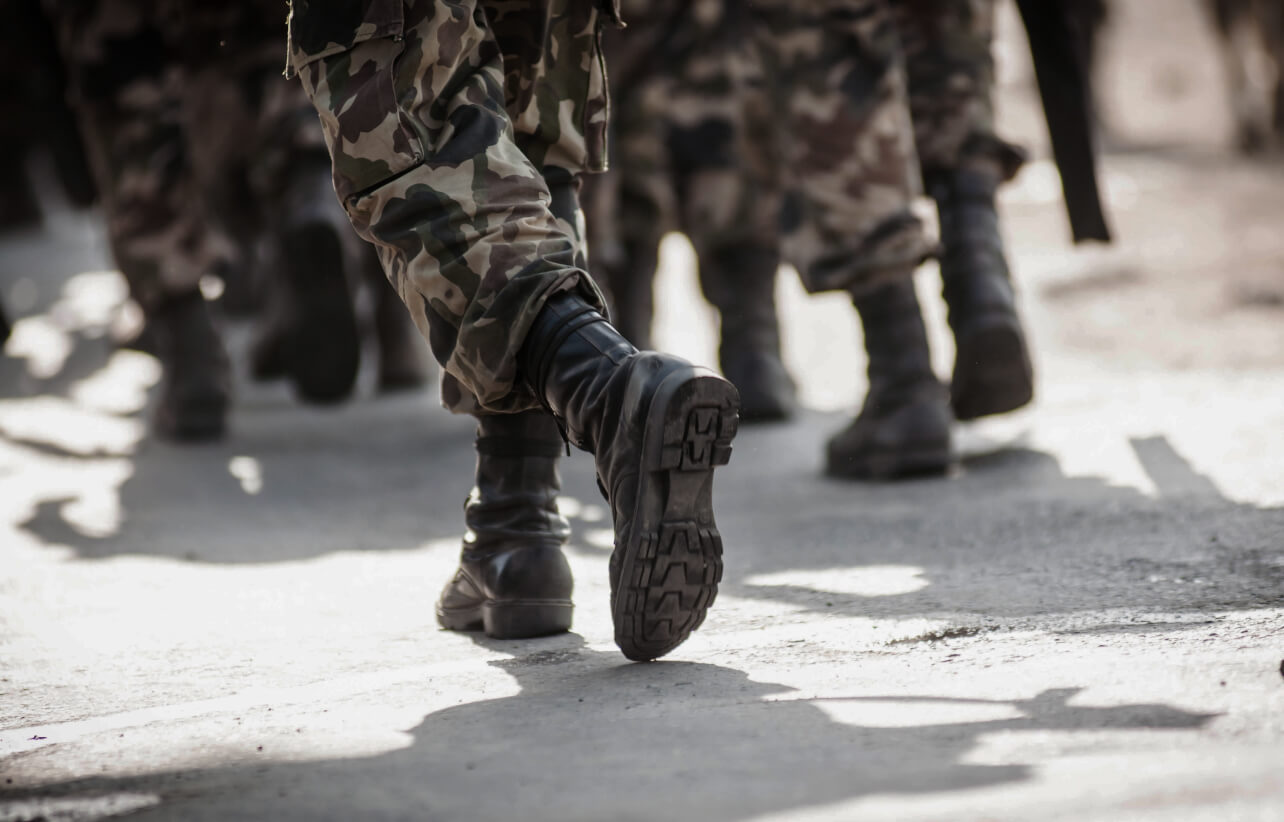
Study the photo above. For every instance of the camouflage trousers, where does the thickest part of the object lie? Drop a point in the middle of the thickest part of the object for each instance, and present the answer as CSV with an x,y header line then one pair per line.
x,y
948,46
767,125
691,150
704,144
458,130
188,124
837,84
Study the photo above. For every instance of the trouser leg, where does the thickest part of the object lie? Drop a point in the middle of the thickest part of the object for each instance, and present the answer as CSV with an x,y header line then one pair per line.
x,y
443,159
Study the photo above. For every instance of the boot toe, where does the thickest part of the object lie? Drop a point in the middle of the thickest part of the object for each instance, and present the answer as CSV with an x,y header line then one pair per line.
x,y
510,594
992,371
767,392
894,438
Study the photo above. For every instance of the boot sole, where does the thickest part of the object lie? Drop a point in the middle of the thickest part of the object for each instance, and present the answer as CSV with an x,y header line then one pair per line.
x,y
670,569
323,352
891,465
510,619
992,372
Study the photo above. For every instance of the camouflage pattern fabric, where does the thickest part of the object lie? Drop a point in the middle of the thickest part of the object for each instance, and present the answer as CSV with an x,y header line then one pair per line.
x,y
193,130
1252,37
458,129
950,67
691,150
851,176
127,62
738,121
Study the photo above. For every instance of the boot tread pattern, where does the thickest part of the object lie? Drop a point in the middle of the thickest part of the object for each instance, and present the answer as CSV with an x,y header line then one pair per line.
x,y
674,576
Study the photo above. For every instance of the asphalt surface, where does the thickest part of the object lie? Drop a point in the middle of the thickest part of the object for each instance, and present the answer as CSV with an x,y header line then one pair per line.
x,y
1085,621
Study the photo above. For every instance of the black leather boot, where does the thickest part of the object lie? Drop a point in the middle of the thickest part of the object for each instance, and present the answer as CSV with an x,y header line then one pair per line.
x,y
903,429
196,382
741,283
992,370
657,427
513,579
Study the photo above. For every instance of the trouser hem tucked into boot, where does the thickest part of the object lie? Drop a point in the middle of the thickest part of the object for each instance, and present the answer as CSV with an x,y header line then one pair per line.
x,y
657,427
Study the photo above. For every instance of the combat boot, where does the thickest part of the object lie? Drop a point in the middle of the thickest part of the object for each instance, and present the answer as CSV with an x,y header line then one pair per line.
x,y
657,427
196,381
903,429
741,283
513,579
992,370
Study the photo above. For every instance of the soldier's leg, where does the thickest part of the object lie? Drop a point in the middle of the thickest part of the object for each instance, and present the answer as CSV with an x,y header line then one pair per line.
x,y
848,221
456,131
127,88
951,84
847,149
903,428
726,173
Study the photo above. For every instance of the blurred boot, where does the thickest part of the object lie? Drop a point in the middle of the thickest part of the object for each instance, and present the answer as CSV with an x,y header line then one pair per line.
x,y
19,207
240,290
903,429
403,355
196,381
657,427
741,283
322,345
629,282
268,350
513,579
992,370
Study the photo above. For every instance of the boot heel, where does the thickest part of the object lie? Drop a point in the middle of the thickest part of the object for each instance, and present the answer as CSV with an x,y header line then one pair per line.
x,y
992,373
519,620
670,576
701,421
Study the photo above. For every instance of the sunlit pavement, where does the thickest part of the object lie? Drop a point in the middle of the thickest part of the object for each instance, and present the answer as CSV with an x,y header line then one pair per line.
x,y
1085,621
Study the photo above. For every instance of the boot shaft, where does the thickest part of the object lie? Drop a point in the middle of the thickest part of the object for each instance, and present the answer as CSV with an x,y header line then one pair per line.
x,y
895,337
571,358
741,284
514,498
974,270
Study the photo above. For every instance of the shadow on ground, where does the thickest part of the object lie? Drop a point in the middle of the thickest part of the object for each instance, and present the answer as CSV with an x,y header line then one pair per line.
x,y
1010,537
582,721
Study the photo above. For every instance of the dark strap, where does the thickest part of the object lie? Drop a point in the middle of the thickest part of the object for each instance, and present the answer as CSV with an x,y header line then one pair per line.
x,y
517,447
1063,75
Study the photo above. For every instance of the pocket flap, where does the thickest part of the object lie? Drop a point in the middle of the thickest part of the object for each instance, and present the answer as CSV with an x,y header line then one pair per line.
x,y
319,28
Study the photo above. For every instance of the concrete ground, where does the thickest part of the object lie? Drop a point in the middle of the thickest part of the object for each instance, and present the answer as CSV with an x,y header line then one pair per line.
x,y
1085,621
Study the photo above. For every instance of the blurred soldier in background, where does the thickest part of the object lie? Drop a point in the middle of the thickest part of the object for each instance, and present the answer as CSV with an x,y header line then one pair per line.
x,y
691,151
37,116
847,222
1252,35
701,141
950,70
127,63
207,161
